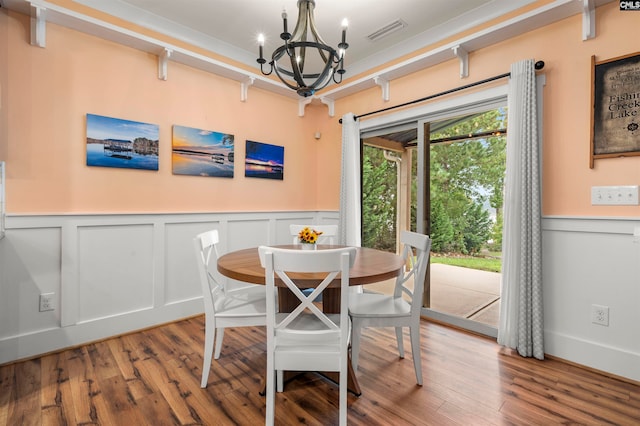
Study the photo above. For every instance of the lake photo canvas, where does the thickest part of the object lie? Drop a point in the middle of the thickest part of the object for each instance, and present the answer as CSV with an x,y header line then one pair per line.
x,y
200,152
114,142
264,161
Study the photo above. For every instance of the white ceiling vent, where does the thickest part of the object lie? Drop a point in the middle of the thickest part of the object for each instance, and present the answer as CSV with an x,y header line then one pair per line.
x,y
388,29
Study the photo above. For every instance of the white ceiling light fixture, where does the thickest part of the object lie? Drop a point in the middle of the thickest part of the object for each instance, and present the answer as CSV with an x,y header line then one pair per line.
x,y
290,59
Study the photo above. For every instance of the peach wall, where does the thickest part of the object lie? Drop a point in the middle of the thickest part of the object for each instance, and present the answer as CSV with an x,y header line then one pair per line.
x,y
50,90
47,92
567,178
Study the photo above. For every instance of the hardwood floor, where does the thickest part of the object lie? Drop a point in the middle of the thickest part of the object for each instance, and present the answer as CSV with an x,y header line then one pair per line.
x,y
152,378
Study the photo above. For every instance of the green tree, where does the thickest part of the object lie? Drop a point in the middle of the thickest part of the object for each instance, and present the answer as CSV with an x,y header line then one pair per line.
x,y
466,176
441,228
477,228
378,200
496,233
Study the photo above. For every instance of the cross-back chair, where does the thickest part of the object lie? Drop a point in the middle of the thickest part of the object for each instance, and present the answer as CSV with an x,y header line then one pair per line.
x,y
380,310
223,307
306,339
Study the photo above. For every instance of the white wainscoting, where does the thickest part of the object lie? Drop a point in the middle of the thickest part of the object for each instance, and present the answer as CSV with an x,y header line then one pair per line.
x,y
590,261
112,274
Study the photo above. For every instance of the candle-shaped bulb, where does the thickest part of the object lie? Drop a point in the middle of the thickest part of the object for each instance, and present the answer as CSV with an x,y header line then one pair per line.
x,y
260,44
345,24
284,20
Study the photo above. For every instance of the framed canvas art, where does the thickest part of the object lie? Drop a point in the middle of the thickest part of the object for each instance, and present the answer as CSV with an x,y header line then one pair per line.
x,y
114,142
264,161
200,152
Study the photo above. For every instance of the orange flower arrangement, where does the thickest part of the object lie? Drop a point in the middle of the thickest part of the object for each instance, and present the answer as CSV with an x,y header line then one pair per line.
x,y
309,236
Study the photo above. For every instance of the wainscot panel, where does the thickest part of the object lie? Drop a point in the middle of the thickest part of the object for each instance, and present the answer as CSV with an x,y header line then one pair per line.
x,y
113,274
586,262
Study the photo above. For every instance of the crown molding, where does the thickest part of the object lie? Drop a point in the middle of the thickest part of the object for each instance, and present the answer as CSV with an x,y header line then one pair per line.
x,y
42,11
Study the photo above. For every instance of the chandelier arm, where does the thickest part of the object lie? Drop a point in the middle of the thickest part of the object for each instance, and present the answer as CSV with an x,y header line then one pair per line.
x,y
270,69
339,80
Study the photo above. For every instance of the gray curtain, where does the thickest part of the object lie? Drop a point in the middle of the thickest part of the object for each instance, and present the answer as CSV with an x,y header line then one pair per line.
x,y
521,320
350,218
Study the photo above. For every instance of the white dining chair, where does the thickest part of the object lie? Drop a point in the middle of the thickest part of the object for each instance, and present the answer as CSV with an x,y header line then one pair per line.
x,y
307,339
329,233
381,310
223,308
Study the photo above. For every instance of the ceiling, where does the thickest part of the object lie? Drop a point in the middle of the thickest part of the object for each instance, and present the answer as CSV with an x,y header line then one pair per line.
x,y
229,28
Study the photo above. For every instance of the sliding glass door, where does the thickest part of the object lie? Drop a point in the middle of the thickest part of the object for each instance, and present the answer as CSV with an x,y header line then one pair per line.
x,y
463,178
443,175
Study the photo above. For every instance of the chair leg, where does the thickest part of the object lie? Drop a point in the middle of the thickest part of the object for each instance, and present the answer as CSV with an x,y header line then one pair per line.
x,y
270,400
356,332
219,343
209,336
400,341
415,352
343,393
280,380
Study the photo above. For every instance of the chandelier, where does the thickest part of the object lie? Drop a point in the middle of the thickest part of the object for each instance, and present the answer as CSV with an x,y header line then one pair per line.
x,y
303,48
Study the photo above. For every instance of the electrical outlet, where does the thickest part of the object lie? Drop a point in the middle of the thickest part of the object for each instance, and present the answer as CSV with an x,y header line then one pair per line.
x,y
47,302
600,315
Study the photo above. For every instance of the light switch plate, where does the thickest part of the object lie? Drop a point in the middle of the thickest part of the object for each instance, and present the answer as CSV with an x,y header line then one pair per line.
x,y
626,195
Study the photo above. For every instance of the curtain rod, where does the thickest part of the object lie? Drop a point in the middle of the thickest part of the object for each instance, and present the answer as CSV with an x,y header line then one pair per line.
x,y
538,66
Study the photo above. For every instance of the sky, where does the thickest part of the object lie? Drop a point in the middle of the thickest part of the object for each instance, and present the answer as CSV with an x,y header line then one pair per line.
x,y
189,136
272,154
100,127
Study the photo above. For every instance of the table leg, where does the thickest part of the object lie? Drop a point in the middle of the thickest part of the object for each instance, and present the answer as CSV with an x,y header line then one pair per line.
x,y
287,301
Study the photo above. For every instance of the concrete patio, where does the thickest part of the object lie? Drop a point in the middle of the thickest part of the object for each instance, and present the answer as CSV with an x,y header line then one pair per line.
x,y
464,292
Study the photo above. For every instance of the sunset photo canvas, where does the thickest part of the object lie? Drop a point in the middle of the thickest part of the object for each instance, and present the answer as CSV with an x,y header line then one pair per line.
x,y
200,152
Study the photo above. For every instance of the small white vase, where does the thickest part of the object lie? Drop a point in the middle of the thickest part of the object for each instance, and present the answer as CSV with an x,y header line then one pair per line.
x,y
306,246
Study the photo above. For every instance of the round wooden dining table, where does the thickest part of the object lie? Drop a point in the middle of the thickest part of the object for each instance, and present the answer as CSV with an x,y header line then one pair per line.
x,y
370,266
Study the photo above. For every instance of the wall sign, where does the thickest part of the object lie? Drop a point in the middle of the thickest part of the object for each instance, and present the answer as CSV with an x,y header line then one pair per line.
x,y
615,117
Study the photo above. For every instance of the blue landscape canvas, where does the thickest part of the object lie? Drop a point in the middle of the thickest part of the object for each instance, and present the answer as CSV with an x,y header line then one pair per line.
x,y
264,161
200,152
114,142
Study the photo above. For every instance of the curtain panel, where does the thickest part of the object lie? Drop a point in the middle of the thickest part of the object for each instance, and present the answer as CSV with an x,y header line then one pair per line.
x,y
521,319
350,198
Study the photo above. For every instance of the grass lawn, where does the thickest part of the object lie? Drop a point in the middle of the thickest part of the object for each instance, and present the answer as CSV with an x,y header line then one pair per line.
x,y
492,264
